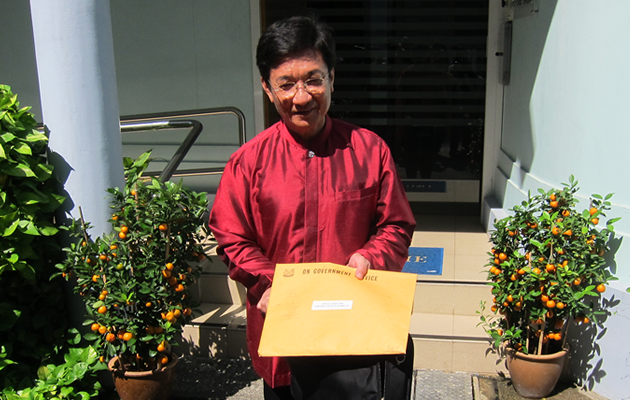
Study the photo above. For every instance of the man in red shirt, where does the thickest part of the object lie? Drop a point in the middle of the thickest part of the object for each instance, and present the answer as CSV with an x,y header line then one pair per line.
x,y
307,189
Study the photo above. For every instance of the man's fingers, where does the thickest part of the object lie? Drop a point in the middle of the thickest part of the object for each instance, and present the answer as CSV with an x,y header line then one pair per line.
x,y
361,271
361,264
264,302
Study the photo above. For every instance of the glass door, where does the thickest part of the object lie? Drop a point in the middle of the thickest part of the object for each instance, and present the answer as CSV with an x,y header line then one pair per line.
x,y
414,72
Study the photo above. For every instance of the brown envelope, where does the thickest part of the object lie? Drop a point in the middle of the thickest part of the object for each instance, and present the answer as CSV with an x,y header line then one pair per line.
x,y
322,309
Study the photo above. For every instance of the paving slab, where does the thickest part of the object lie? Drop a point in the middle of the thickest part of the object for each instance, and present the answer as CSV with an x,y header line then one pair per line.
x,y
441,385
500,388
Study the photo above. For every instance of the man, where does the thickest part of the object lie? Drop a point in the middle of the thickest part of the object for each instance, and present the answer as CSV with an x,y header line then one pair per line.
x,y
307,189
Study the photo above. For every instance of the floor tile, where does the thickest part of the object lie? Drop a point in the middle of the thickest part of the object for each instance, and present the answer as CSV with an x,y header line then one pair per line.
x,y
433,354
446,240
470,267
471,243
475,357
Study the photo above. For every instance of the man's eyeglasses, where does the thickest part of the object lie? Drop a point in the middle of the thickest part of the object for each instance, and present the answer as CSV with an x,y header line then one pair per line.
x,y
313,86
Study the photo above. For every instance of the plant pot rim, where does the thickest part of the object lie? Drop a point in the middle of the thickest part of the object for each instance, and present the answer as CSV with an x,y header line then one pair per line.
x,y
519,354
111,365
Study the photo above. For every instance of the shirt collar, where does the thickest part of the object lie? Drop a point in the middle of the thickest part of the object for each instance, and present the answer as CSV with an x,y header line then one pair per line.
x,y
316,142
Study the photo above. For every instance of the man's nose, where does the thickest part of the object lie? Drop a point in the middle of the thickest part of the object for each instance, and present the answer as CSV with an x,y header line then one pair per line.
x,y
302,96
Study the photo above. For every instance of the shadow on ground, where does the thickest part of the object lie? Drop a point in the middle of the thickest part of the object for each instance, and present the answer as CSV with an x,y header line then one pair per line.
x,y
209,378
497,388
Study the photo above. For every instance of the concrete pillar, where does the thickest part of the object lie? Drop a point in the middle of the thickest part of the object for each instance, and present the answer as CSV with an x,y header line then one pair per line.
x,y
77,80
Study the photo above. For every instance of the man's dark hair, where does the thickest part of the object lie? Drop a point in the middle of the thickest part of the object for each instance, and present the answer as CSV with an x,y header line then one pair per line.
x,y
291,36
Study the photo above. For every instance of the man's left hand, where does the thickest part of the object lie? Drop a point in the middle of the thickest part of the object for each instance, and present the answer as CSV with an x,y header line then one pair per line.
x,y
360,263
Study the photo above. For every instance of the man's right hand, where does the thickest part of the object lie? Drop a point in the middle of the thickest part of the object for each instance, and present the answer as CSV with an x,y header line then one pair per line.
x,y
263,303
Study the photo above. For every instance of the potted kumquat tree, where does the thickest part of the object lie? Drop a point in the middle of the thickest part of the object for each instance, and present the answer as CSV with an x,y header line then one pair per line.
x,y
136,282
546,266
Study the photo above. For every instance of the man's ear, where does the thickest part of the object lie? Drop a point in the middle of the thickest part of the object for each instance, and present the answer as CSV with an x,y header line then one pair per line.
x,y
266,89
332,80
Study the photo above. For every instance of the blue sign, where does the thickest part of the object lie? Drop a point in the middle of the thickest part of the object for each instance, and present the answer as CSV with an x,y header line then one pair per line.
x,y
425,260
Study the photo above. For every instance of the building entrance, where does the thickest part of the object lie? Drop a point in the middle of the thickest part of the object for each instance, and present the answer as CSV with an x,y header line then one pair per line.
x,y
414,72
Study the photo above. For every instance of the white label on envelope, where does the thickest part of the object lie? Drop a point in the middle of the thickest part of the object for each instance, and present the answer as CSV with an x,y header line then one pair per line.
x,y
319,305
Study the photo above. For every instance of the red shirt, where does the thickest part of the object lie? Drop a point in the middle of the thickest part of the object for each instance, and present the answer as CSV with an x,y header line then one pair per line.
x,y
280,201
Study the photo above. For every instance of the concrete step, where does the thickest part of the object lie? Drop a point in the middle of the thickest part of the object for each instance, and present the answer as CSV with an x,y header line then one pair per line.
x,y
218,332
446,332
457,298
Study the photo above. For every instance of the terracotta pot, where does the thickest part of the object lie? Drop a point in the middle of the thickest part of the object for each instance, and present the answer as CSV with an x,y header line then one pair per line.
x,y
144,385
534,376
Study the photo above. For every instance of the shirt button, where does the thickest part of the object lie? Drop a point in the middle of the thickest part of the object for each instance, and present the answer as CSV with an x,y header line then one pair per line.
x,y
311,154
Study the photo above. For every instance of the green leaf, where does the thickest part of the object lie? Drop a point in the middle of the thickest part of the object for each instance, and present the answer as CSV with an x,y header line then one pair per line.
x,y
47,229
36,136
21,170
28,198
43,171
74,336
84,396
13,258
90,337
23,148
5,362
28,228
3,155
7,137
9,231
80,370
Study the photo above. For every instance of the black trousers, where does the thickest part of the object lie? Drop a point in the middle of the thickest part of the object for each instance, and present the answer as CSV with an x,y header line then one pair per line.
x,y
353,377
279,393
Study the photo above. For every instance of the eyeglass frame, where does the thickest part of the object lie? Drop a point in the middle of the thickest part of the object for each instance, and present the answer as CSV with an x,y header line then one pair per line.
x,y
293,91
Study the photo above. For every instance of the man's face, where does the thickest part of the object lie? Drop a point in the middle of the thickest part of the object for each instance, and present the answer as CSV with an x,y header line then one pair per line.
x,y
303,108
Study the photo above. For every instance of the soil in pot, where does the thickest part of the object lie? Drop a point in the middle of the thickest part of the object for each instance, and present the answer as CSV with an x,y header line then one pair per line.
x,y
535,376
143,385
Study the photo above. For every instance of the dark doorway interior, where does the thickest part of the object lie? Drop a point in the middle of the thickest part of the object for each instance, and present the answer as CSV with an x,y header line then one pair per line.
x,y
414,72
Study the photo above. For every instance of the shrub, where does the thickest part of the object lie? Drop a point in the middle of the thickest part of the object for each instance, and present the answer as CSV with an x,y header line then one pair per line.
x,y
547,265
136,281
32,312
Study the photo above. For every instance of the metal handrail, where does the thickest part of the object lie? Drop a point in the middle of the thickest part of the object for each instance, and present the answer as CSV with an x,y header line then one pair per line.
x,y
132,124
183,149
192,114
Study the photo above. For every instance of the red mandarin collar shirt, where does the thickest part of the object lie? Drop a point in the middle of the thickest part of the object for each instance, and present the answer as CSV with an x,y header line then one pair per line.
x,y
281,201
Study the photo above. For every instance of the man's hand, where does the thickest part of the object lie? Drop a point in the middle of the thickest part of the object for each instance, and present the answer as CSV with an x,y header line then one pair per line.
x,y
264,302
360,263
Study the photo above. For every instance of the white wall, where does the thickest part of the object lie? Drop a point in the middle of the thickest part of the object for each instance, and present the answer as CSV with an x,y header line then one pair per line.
x,y
170,56
179,55
565,112
18,68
